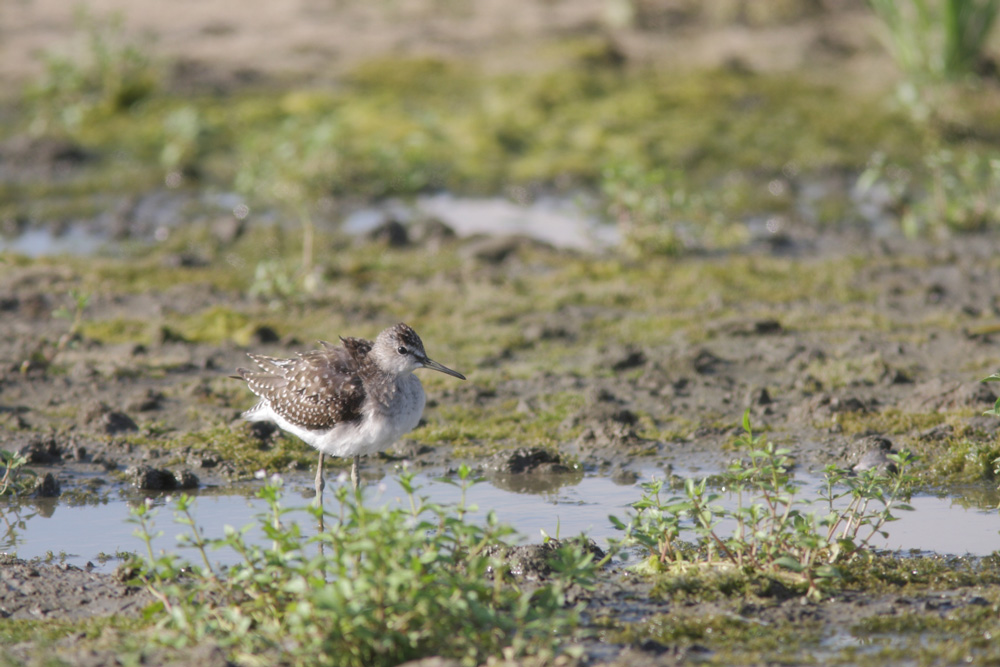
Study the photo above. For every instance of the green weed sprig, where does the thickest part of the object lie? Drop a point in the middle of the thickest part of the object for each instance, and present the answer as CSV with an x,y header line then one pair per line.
x,y
380,586
776,531
17,479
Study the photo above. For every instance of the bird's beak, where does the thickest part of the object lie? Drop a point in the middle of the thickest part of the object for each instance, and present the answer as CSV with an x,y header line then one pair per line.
x,y
435,366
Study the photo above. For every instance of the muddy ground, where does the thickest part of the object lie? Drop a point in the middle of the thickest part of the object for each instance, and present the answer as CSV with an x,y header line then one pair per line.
x,y
828,337
83,410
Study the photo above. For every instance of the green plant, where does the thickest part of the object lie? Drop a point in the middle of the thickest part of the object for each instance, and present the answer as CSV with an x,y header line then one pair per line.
x,y
774,531
16,478
995,410
937,38
184,132
948,190
274,280
112,74
645,208
80,301
660,211
379,586
343,153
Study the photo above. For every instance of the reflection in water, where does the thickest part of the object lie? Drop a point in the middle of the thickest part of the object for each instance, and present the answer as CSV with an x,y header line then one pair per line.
x,y
556,505
76,240
973,496
535,483
15,514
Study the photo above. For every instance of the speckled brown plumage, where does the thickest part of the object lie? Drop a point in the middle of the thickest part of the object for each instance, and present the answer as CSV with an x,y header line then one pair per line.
x,y
348,400
317,389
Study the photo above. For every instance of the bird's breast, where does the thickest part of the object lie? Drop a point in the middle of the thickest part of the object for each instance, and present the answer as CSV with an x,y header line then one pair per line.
x,y
400,412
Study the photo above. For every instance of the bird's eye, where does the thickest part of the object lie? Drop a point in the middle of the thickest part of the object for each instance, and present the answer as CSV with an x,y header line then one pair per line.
x,y
401,350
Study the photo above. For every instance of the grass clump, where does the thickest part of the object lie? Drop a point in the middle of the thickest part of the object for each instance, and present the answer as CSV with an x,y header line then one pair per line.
x,y
246,454
379,586
776,532
733,638
995,410
17,479
946,190
937,39
123,632
109,74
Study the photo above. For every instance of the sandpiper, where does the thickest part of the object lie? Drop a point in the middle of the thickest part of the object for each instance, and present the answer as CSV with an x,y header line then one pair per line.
x,y
345,401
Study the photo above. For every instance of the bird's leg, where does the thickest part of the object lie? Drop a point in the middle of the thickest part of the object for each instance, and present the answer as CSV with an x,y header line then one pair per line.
x,y
320,484
354,471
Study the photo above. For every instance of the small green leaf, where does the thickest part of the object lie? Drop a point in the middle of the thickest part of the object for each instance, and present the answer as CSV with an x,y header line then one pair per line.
x,y
789,563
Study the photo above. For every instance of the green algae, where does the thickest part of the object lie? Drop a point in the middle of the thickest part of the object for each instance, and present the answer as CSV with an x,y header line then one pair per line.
x,y
450,126
961,455
238,447
477,431
947,612
13,631
733,639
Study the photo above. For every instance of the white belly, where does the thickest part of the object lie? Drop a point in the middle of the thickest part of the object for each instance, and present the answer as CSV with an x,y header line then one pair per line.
x,y
379,426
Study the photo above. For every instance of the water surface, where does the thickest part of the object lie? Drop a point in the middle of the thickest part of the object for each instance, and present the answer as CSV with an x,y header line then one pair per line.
x,y
563,506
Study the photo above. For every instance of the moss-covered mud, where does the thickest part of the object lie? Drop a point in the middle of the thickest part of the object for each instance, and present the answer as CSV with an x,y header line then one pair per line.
x,y
612,363
616,360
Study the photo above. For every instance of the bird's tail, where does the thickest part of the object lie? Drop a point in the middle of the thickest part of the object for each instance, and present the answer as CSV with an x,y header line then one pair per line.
x,y
257,413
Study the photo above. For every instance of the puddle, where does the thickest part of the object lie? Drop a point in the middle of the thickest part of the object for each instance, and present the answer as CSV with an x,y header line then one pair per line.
x,y
564,222
75,240
80,533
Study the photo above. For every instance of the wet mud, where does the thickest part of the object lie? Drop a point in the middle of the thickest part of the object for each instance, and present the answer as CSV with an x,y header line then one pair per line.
x,y
98,420
845,345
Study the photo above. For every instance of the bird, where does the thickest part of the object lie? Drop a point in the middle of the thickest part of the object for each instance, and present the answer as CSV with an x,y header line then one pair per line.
x,y
348,400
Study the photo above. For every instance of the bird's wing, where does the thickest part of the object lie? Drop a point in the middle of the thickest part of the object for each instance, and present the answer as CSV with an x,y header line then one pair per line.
x,y
358,348
318,389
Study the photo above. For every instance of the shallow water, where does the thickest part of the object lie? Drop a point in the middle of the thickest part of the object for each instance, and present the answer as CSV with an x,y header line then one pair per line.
x,y
564,507
564,222
75,240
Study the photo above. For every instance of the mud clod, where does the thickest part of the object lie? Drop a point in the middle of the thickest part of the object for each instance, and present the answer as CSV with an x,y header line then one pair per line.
x,y
45,451
936,433
407,449
760,396
148,478
623,476
532,561
203,459
534,460
496,250
705,362
391,233
108,421
752,328
629,358
47,486
939,395
430,233
264,335
262,431
186,479
871,452
824,406
145,401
